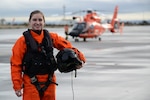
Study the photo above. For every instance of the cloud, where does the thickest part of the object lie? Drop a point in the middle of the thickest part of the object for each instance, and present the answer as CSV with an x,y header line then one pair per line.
x,y
22,8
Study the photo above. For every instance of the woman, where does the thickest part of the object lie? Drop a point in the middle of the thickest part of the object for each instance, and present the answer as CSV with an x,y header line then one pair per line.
x,y
27,80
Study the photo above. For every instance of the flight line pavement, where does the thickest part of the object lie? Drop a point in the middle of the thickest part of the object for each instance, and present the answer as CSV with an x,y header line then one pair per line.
x,y
117,68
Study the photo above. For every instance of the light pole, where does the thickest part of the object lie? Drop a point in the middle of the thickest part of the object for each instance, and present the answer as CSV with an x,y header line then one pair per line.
x,y
64,11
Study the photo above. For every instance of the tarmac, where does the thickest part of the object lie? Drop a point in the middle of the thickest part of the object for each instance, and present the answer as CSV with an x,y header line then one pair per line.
x,y
116,68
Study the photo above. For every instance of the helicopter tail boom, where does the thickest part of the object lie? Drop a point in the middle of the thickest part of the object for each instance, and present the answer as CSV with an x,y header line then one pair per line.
x,y
115,22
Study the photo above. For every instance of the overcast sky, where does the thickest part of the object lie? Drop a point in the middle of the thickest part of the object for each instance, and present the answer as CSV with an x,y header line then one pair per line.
x,y
22,8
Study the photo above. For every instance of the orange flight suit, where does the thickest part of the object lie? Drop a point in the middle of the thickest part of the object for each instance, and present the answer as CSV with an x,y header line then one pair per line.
x,y
18,79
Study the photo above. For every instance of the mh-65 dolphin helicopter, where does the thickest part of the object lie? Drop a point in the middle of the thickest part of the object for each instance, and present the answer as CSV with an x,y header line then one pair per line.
x,y
91,26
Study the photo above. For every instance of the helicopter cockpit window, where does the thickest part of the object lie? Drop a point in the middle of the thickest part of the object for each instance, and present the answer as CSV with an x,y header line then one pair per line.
x,y
91,26
75,26
79,26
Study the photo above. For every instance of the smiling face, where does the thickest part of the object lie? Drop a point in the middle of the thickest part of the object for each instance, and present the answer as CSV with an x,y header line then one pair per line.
x,y
36,20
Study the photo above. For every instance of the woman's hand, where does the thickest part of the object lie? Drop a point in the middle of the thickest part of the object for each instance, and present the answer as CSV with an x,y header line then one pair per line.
x,y
18,93
80,66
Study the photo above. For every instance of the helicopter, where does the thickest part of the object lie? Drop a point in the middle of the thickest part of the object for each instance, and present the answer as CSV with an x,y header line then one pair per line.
x,y
90,26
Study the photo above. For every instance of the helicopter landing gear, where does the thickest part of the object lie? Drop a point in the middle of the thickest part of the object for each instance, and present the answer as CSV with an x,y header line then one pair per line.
x,y
76,40
84,39
99,39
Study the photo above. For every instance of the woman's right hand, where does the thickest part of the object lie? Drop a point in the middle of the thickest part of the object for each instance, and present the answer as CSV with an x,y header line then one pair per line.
x,y
18,93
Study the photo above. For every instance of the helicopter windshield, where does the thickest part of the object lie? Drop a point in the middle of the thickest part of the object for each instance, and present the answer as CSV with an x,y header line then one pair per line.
x,y
79,26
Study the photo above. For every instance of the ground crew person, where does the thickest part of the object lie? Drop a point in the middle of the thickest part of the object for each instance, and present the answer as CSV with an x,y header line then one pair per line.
x,y
32,62
66,29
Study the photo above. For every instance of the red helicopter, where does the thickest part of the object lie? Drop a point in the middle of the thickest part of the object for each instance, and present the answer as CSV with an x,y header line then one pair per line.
x,y
91,26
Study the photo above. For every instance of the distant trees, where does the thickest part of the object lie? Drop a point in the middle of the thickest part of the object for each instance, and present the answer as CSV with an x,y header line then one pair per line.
x,y
2,21
128,23
143,22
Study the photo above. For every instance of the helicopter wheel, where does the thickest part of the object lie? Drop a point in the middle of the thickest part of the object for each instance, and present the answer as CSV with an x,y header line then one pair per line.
x,y
84,39
76,40
99,39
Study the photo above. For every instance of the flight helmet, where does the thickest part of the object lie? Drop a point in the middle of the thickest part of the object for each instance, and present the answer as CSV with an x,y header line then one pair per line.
x,y
67,60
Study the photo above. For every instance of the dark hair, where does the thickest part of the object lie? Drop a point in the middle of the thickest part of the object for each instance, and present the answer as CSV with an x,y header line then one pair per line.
x,y
36,12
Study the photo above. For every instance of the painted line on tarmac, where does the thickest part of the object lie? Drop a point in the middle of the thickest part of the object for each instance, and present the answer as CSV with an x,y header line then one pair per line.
x,y
4,63
122,64
96,52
